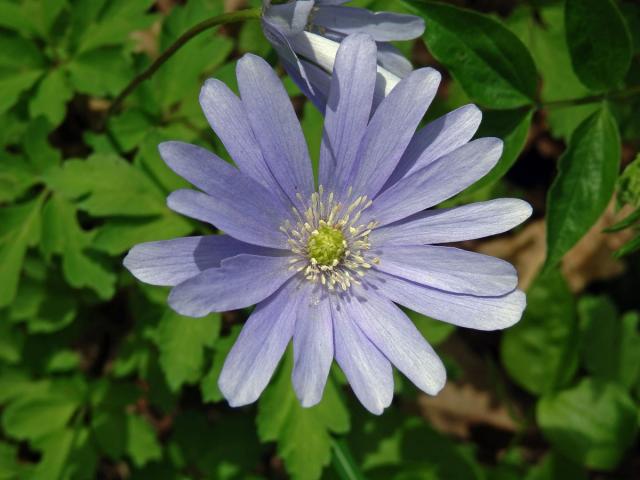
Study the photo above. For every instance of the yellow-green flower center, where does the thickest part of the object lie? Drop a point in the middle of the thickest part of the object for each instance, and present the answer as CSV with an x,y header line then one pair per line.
x,y
327,245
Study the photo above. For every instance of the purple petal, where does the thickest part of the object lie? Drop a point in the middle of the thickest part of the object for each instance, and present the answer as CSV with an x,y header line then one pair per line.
x,y
170,262
437,139
234,202
436,182
398,339
479,313
313,75
368,371
227,116
468,222
312,348
290,18
275,126
259,347
390,58
391,129
382,26
348,109
450,269
239,282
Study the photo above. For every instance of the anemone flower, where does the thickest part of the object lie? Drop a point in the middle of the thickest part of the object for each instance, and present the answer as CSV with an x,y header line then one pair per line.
x,y
326,266
306,34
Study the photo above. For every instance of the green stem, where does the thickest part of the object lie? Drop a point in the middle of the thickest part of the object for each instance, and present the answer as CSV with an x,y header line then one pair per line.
x,y
225,18
343,462
574,102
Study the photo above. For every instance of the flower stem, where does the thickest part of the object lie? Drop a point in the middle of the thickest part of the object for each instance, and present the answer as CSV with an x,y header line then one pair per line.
x,y
225,18
574,102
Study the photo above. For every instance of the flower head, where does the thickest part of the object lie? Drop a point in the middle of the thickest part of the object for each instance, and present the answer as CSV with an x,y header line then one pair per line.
x,y
306,34
326,266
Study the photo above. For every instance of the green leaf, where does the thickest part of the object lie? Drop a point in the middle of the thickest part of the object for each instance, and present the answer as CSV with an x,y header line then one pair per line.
x,y
16,176
540,352
110,432
489,61
344,463
106,185
62,235
36,416
10,467
556,467
182,341
599,42
593,423
586,178
142,444
542,30
629,184
209,386
13,83
610,344
100,72
303,434
19,230
51,97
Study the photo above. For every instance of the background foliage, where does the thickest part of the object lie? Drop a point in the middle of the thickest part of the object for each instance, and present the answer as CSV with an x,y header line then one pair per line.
x,y
99,379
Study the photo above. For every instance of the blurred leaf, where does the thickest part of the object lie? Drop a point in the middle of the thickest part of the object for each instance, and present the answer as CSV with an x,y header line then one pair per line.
x,y
222,347
51,97
62,235
35,416
490,62
556,467
11,342
37,147
16,176
610,344
19,230
142,445
542,30
344,463
130,128
110,432
182,341
586,178
63,361
100,72
106,185
593,423
628,185
13,83
540,352
303,434
10,467
599,42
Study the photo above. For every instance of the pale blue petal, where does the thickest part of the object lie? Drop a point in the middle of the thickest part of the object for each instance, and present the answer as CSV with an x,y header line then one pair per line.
x,y
436,182
170,262
479,313
368,371
254,357
312,347
239,282
382,26
398,339
275,126
450,269
348,109
390,58
445,225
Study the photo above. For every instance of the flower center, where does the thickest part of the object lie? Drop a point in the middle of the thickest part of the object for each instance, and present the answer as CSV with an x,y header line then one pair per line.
x,y
326,245
329,243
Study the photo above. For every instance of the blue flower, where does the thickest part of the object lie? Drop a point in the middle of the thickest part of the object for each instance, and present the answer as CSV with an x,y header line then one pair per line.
x,y
306,34
326,266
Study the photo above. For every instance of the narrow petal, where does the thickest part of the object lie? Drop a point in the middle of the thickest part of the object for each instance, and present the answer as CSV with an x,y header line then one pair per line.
x,y
239,282
227,116
436,182
348,109
392,59
312,348
382,26
479,313
450,269
275,126
445,225
368,371
254,357
289,18
437,139
398,339
391,129
170,262
234,202
313,75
